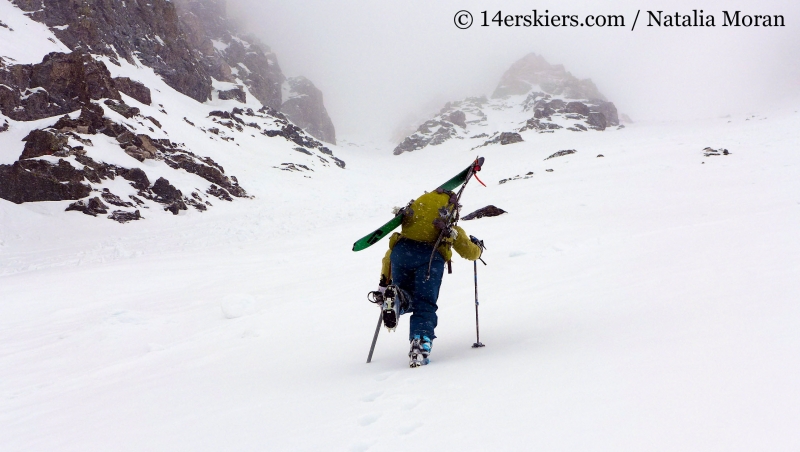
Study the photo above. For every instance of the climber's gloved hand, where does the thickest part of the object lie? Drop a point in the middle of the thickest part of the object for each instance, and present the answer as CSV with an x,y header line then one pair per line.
x,y
376,296
476,241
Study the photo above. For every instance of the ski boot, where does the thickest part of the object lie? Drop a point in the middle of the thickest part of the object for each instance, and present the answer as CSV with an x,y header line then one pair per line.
x,y
420,349
391,307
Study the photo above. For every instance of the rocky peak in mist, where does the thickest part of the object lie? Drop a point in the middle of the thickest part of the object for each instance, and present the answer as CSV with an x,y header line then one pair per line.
x,y
534,71
532,96
236,58
229,57
303,105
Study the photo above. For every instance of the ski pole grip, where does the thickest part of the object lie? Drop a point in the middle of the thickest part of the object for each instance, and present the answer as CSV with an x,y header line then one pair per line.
x,y
475,240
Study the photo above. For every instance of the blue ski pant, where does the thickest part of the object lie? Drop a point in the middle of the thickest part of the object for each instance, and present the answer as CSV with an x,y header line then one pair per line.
x,y
409,272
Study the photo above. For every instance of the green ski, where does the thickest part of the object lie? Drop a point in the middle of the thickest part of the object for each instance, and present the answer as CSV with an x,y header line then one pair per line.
x,y
373,237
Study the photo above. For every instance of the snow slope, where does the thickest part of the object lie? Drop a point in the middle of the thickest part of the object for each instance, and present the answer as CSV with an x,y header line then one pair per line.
x,y
646,300
18,28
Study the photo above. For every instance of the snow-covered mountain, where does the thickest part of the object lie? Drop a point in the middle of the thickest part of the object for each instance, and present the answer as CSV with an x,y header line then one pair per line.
x,y
533,96
640,293
123,109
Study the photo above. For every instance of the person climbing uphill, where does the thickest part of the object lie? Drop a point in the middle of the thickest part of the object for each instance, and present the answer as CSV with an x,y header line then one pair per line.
x,y
412,270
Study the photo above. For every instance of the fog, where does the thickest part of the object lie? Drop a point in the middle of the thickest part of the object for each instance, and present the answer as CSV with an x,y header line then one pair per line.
x,y
382,63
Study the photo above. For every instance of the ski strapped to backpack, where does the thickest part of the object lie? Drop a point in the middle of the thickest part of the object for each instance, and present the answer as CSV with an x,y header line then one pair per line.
x,y
451,216
461,178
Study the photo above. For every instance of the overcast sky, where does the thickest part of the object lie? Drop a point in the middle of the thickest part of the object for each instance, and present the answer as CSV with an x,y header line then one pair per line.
x,y
377,62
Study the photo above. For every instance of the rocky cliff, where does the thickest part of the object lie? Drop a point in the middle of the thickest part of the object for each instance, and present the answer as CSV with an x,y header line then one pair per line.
x,y
533,96
303,106
189,43
148,31
112,126
244,60
230,57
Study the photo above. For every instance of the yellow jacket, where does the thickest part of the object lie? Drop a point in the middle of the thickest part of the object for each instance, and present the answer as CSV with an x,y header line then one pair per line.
x,y
418,225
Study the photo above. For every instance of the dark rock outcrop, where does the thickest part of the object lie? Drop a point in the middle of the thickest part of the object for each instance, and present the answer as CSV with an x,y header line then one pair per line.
x,y
527,175
411,143
708,152
304,106
122,108
124,217
38,180
61,83
210,172
431,133
544,106
137,178
235,94
577,108
220,193
91,207
504,139
509,138
113,199
488,211
135,89
562,153
167,194
608,110
294,134
535,124
458,118
597,120
578,128
436,131
43,142
32,180
90,121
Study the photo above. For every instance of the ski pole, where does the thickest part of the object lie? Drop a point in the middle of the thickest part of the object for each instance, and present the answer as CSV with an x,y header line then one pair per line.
x,y
477,344
375,338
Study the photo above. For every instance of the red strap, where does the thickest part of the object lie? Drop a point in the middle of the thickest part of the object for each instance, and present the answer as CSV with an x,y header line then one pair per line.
x,y
476,177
